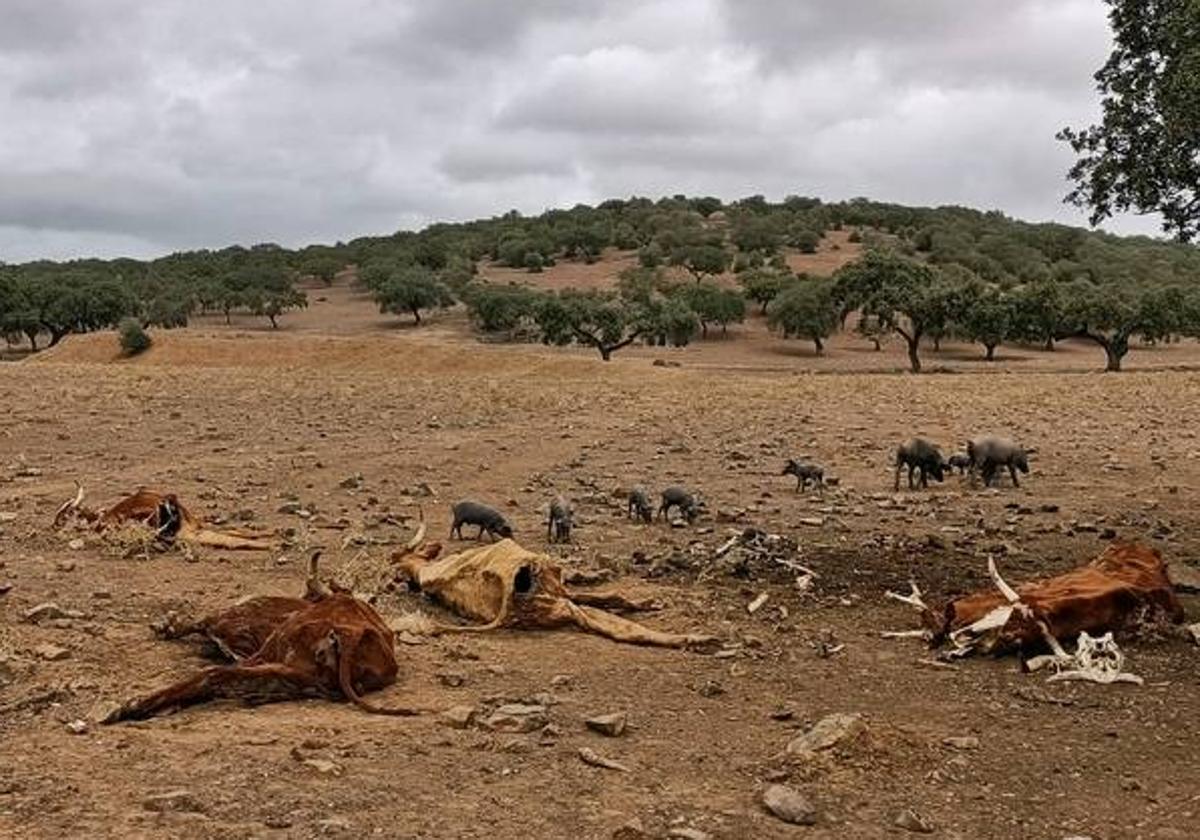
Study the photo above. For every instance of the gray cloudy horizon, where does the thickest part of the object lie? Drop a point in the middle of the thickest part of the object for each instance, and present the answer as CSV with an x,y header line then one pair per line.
x,y
136,128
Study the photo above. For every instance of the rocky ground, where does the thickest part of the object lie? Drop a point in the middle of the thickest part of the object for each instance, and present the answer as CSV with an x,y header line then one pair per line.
x,y
802,712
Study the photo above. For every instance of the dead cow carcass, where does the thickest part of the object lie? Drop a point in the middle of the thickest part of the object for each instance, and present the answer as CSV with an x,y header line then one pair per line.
x,y
503,585
163,514
1126,584
326,644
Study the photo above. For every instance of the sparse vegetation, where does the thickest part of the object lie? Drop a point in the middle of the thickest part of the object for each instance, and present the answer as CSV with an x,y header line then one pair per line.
x,y
806,309
132,337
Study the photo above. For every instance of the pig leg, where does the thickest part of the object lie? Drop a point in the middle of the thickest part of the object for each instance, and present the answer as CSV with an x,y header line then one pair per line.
x,y
615,601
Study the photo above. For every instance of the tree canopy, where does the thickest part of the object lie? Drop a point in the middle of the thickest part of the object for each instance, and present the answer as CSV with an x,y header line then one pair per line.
x,y
1144,155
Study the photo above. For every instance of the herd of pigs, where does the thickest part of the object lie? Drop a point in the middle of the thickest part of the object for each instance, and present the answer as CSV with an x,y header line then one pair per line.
x,y
329,642
986,456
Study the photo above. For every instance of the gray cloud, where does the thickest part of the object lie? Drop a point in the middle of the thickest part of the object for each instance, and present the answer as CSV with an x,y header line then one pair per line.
x,y
140,128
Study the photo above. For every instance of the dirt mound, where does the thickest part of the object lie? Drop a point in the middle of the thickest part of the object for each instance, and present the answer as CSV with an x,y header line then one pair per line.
x,y
235,349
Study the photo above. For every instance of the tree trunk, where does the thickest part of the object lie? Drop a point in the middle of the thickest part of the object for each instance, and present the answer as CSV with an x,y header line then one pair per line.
x,y
1114,354
878,344
914,359
703,329
724,329
991,352
417,315
32,336
820,346
1049,346
605,352
227,317
274,325
937,344
56,335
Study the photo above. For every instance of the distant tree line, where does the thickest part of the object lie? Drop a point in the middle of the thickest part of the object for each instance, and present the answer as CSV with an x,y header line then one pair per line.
x,y
924,275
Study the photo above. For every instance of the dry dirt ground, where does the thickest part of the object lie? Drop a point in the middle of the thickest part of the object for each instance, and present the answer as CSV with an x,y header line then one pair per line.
x,y
241,421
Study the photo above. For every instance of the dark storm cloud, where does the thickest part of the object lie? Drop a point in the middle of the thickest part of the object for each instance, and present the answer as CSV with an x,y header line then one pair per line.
x,y
142,127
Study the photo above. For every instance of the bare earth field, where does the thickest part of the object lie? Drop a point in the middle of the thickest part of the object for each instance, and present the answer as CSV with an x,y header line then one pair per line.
x,y
238,421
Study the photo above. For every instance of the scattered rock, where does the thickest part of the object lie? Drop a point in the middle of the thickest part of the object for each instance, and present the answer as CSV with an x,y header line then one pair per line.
x,y
755,605
8,516
812,521
323,766
686,833
102,595
457,717
589,756
77,727
452,679
5,587
965,742
44,612
789,804
910,820
76,544
65,565
173,800
829,731
630,830
517,717
710,688
1048,508
51,653
351,482
1194,629
611,725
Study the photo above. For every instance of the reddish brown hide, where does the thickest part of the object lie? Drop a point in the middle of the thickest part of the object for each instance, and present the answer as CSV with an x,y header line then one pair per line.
x,y
1126,583
164,514
327,644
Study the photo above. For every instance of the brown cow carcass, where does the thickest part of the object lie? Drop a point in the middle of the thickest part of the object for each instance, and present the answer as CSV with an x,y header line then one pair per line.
x,y
1125,585
163,514
504,585
325,644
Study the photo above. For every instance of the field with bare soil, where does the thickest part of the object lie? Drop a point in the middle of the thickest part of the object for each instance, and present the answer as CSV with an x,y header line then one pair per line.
x,y
336,429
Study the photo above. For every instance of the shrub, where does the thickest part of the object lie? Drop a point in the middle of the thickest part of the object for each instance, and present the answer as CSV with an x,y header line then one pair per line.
x,y
132,338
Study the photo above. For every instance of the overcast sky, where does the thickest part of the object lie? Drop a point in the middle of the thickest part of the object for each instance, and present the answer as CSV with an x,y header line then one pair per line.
x,y
132,127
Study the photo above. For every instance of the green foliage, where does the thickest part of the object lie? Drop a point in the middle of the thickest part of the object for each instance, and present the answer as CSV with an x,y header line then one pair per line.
x,y
756,233
671,323
321,265
651,255
501,309
701,260
640,285
763,285
1110,314
988,315
410,289
805,309
533,262
1040,313
595,318
1145,153
713,305
806,241
132,337
905,295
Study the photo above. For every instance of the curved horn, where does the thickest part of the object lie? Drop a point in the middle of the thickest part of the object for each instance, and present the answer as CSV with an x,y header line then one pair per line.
x,y
70,505
313,588
419,536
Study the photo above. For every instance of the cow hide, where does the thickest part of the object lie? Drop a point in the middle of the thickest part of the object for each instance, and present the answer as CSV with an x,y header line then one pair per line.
x,y
324,644
1127,583
504,585
161,513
